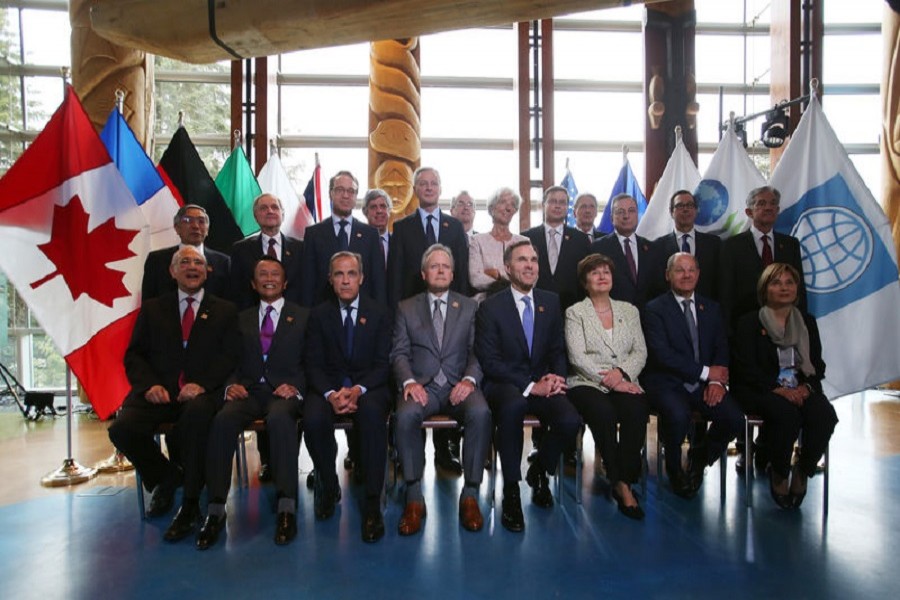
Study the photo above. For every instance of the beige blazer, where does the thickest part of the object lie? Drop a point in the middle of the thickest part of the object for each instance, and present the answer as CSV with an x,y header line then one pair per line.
x,y
591,350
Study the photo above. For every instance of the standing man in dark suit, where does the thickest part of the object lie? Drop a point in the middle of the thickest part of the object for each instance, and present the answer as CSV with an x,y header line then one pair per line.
x,y
348,366
416,232
745,255
687,370
269,214
377,206
559,249
269,384
520,343
633,275
183,347
462,207
585,210
192,226
341,232
434,362
685,238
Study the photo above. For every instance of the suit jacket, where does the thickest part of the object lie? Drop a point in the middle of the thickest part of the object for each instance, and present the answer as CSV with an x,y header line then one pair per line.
x,y
155,355
591,351
285,360
670,353
500,343
573,246
706,251
244,255
326,363
754,360
157,279
623,288
405,256
320,243
415,353
740,267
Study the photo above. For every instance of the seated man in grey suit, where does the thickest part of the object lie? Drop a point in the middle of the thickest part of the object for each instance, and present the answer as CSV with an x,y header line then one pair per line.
x,y
434,362
269,384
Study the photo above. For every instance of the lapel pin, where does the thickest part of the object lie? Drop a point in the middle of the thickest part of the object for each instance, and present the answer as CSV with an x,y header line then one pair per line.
x,y
646,247
204,315
701,307
287,252
540,309
290,319
763,331
362,320
358,235
566,237
445,224
209,268
454,304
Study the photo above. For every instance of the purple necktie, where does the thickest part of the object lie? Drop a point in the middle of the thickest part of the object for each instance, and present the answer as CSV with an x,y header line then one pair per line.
x,y
629,258
266,331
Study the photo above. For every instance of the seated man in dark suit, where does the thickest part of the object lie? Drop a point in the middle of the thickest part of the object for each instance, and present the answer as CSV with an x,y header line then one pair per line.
x,y
520,343
633,276
341,232
183,347
269,215
687,370
685,238
269,384
559,248
348,365
434,363
192,226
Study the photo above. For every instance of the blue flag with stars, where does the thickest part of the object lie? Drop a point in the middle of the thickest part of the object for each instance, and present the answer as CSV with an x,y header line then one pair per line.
x,y
626,183
568,182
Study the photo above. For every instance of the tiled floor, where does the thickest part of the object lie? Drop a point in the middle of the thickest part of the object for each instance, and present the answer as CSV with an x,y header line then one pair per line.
x,y
87,541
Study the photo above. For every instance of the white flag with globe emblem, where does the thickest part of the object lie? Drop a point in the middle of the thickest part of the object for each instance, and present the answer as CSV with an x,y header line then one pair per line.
x,y
680,174
722,194
849,261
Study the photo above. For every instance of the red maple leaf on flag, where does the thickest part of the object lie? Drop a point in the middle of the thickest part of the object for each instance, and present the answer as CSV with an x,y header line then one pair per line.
x,y
81,256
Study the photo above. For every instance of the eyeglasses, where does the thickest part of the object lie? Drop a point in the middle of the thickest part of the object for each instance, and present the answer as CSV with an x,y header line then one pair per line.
x,y
340,191
621,212
765,204
194,220
685,206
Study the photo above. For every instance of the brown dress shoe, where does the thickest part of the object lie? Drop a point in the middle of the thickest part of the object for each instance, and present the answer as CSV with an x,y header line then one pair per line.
x,y
411,521
470,515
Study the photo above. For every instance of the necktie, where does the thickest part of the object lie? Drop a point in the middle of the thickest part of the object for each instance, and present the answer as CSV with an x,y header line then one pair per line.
x,y
430,238
528,322
629,258
437,320
343,238
553,251
266,332
685,244
692,328
348,330
271,251
384,248
766,252
187,321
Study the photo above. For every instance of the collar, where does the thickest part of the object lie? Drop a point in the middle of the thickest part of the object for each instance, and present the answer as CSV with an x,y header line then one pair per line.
x,y
445,297
758,234
198,296
680,299
632,237
265,240
680,234
559,229
278,305
354,304
199,248
517,295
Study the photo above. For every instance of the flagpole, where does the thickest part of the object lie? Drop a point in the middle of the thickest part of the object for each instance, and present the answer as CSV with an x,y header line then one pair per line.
x,y
70,473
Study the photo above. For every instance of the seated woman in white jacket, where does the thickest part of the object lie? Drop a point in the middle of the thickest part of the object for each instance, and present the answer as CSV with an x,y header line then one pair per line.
x,y
607,352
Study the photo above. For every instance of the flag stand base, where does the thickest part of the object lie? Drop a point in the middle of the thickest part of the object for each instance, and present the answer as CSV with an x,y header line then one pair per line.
x,y
70,473
117,463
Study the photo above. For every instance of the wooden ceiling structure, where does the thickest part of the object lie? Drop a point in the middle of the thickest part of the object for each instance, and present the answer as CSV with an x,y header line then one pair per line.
x,y
205,31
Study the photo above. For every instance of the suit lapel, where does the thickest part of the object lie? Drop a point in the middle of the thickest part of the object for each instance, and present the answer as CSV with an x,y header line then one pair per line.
x,y
677,311
511,313
423,310
329,238
540,242
285,322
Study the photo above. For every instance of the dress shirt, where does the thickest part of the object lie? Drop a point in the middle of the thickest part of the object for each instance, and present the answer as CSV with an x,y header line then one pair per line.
x,y
436,223
634,248
277,306
265,244
692,240
704,374
336,221
182,305
559,234
520,306
757,234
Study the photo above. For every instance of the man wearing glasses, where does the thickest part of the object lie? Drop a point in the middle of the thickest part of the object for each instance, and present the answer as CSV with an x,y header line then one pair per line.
x,y
704,247
341,232
630,252
192,226
462,207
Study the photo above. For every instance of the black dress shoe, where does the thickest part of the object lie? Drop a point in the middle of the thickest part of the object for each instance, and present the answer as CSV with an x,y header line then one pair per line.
x,y
632,512
739,465
209,531
348,463
326,497
162,500
681,484
183,523
697,467
373,526
444,458
782,500
798,490
311,480
265,473
532,455
286,529
512,517
540,486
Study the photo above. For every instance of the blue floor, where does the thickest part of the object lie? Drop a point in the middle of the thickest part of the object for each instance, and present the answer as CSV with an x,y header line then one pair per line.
x,y
90,543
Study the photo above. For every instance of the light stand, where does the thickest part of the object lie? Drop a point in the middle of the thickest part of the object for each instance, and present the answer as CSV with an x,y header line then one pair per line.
x,y
70,473
775,129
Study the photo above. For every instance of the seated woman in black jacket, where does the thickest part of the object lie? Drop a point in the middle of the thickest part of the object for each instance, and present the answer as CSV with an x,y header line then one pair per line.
x,y
777,373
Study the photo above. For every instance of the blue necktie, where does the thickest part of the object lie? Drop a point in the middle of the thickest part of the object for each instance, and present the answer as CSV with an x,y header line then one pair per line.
x,y
430,238
343,239
685,245
528,322
348,331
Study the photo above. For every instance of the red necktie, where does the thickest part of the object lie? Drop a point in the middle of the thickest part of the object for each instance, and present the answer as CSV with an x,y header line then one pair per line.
x,y
187,321
271,251
766,252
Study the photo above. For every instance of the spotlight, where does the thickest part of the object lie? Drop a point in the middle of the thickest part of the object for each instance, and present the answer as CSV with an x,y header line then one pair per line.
x,y
774,129
741,133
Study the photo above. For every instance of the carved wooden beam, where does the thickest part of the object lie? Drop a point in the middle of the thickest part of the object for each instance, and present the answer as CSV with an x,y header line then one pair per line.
x,y
204,31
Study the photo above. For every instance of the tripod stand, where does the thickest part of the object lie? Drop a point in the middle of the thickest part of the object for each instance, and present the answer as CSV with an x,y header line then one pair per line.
x,y
13,388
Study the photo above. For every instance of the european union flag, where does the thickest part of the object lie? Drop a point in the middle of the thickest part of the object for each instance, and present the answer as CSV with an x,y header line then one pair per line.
x,y
568,182
626,183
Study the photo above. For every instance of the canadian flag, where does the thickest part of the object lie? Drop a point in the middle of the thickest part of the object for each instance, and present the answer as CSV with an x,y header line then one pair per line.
x,y
73,242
